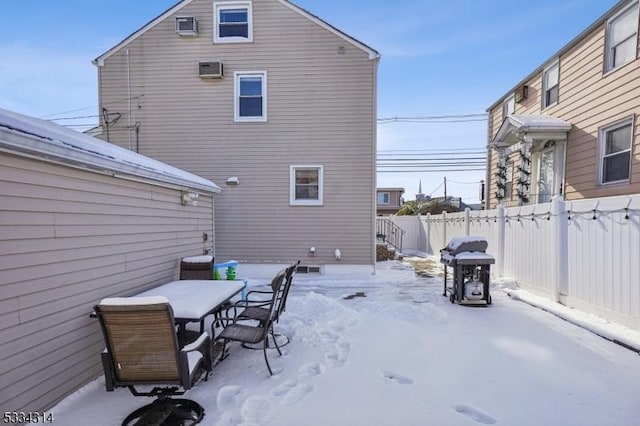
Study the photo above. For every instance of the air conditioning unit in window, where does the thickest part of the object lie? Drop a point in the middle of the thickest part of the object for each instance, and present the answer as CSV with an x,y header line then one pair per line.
x,y
186,25
522,93
210,69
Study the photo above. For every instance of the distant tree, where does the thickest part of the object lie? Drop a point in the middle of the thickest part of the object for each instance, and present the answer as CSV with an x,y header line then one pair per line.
x,y
413,208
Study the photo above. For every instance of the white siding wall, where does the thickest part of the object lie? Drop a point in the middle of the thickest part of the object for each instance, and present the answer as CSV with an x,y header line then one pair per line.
x,y
69,238
602,256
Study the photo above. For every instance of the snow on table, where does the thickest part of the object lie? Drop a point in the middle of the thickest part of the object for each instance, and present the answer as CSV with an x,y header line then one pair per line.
x,y
195,299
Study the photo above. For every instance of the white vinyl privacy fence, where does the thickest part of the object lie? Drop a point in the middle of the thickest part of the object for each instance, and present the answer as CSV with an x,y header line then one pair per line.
x,y
584,254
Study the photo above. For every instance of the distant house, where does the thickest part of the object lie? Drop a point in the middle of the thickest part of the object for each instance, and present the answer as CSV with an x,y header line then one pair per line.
x,y
81,220
389,200
269,100
570,127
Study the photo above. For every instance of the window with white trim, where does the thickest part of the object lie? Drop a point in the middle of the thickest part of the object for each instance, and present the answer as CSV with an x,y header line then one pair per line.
x,y
550,85
250,96
508,106
622,38
615,149
306,185
232,22
383,197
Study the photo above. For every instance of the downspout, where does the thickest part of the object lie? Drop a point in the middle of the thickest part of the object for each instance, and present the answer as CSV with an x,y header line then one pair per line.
x,y
129,96
374,155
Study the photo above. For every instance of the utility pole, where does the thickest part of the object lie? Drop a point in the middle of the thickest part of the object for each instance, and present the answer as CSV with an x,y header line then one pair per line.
x,y
445,191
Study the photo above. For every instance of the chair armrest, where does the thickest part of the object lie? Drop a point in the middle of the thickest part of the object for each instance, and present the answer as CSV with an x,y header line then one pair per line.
x,y
196,344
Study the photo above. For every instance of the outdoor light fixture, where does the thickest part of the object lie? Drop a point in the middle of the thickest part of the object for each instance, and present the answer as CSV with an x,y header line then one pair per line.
x,y
233,180
337,254
189,198
312,251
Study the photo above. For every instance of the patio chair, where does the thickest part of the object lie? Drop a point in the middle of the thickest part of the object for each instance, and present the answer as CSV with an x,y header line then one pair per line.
x,y
142,350
254,307
196,268
259,332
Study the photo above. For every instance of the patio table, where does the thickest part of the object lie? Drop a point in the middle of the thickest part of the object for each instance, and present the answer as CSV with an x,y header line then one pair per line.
x,y
193,300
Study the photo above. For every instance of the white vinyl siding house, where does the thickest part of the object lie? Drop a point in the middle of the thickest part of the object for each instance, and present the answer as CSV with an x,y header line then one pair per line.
x,y
296,91
81,220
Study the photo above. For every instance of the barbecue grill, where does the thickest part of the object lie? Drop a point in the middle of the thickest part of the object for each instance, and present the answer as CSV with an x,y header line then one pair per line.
x,y
470,264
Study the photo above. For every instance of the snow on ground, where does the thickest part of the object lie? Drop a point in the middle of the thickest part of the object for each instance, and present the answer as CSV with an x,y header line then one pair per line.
x,y
390,350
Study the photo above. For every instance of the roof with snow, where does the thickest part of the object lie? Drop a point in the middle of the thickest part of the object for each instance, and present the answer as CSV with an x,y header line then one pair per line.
x,y
40,138
519,126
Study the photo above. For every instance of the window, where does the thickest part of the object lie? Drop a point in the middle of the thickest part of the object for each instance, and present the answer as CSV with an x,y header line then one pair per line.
x,y
621,38
615,145
232,22
508,106
383,198
250,96
306,185
550,80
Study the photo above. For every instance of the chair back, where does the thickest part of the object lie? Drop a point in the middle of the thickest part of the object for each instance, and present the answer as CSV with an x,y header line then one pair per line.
x,y
289,273
196,268
277,284
141,340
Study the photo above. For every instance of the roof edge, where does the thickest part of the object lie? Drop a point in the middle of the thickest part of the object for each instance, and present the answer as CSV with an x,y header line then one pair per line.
x,y
373,54
608,14
152,23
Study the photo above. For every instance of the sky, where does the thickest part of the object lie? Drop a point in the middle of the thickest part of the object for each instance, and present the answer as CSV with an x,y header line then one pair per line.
x,y
400,354
439,58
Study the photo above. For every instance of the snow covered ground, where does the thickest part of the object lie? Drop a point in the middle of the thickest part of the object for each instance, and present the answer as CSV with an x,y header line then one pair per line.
x,y
390,350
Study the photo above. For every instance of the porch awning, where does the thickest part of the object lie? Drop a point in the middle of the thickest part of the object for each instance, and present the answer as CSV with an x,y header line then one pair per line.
x,y
517,127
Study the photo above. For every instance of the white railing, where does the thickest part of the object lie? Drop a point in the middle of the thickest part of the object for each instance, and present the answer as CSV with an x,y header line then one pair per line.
x,y
585,254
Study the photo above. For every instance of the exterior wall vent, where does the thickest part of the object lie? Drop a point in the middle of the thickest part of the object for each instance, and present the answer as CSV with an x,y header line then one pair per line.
x,y
187,26
522,93
210,69
308,269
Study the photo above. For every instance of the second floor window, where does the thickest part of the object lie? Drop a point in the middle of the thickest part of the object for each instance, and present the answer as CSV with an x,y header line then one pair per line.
x,y
621,38
508,106
383,198
616,152
232,22
250,96
550,85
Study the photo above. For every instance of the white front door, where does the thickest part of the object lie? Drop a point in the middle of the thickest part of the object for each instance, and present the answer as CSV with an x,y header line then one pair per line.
x,y
546,175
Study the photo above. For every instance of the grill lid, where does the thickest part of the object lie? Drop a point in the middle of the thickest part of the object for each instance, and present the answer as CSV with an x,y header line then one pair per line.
x,y
463,244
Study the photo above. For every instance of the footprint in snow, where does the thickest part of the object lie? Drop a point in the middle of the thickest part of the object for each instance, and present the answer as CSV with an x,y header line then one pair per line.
x,y
396,378
255,409
310,369
337,359
475,414
291,391
228,397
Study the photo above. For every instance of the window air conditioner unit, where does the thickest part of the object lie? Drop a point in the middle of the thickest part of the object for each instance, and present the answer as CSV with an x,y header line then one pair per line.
x,y
522,93
187,25
210,69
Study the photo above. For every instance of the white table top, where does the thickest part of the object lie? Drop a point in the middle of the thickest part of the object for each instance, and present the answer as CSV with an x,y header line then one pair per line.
x,y
194,299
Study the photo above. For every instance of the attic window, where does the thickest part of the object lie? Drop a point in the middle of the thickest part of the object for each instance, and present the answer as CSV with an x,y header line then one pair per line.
x,y
233,22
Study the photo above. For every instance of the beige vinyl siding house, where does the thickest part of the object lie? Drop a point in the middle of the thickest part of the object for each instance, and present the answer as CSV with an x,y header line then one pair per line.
x,y
389,200
80,220
293,115
592,88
